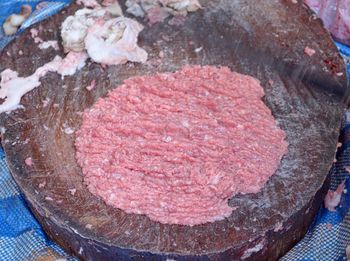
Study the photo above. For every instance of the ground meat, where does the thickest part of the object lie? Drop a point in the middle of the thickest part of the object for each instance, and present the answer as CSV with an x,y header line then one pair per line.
x,y
177,146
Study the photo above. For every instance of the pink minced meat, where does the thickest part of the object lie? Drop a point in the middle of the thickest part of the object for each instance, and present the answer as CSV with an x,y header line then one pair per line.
x,y
177,146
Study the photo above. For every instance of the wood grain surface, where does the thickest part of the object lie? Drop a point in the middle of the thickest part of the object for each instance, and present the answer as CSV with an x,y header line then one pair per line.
x,y
307,96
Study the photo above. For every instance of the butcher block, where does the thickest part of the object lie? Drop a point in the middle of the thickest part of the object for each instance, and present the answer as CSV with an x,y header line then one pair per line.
x,y
306,94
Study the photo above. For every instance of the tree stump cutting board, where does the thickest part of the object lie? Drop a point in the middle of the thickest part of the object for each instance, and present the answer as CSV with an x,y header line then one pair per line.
x,y
307,96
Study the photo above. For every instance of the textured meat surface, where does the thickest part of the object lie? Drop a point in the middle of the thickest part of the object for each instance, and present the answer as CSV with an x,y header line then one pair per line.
x,y
177,146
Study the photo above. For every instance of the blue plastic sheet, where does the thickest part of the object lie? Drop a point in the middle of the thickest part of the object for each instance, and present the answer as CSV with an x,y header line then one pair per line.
x,y
8,7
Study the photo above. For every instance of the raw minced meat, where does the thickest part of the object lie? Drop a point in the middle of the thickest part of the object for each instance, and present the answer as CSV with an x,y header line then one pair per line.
x,y
177,146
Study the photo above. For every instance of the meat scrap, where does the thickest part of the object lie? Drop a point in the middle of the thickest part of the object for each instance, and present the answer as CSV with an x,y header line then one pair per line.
x,y
72,191
75,28
115,42
28,161
107,40
13,87
34,33
42,184
177,146
309,51
71,63
158,10
333,198
91,85
47,44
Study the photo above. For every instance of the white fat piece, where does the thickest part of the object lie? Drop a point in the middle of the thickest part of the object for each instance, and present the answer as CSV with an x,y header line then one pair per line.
x,y
73,62
115,42
12,87
48,44
75,27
